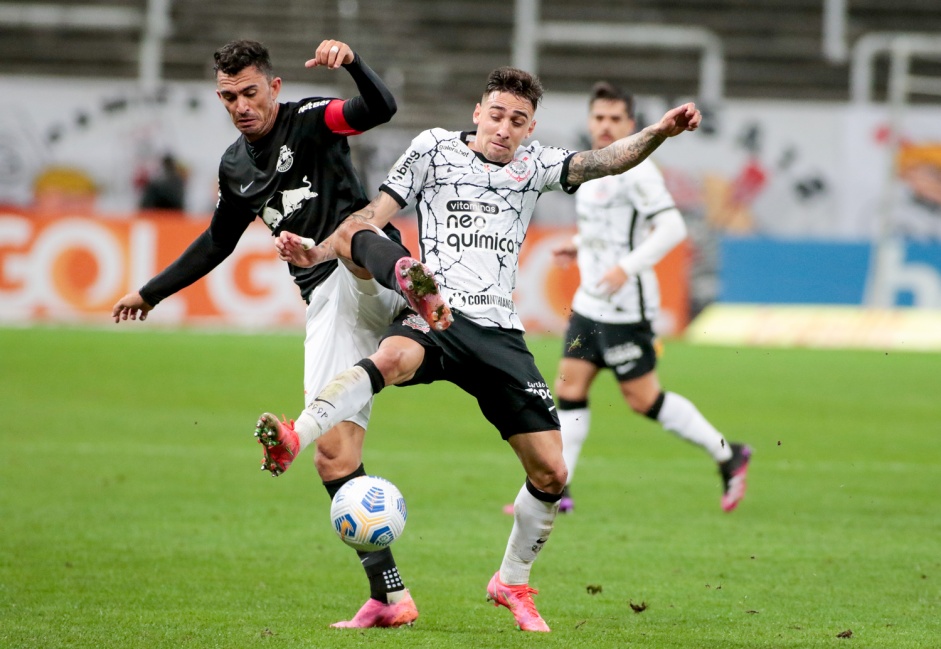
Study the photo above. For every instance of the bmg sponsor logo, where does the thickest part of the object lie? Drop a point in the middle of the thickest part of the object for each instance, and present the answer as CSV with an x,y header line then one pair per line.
x,y
402,166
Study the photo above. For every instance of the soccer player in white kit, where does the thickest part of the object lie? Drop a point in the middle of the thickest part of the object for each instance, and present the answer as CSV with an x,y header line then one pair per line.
x,y
474,193
626,224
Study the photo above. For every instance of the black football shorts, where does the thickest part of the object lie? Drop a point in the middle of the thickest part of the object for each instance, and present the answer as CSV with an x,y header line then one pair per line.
x,y
628,349
491,364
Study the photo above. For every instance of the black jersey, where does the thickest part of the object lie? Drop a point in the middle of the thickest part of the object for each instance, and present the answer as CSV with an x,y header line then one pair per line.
x,y
299,177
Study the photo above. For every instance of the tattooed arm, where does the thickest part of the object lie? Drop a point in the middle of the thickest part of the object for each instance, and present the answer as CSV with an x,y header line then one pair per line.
x,y
374,216
630,151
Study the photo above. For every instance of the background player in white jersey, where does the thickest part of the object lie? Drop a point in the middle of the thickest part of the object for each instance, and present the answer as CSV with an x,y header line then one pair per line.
x,y
291,167
626,224
475,193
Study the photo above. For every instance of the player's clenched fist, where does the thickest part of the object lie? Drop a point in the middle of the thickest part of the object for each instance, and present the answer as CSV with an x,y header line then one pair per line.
x,y
331,54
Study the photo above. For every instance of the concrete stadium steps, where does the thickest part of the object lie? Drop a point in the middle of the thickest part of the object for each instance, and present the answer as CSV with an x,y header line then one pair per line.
x,y
435,53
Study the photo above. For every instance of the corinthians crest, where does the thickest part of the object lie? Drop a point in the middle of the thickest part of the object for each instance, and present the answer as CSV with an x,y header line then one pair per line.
x,y
518,169
285,159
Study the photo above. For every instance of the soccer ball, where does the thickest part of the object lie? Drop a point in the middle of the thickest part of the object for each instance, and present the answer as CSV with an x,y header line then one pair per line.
x,y
368,513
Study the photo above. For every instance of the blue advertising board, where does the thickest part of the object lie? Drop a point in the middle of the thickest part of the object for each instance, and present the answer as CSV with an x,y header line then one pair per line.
x,y
774,271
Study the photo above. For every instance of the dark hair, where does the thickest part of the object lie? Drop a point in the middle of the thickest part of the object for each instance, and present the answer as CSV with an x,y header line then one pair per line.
x,y
234,57
516,82
609,91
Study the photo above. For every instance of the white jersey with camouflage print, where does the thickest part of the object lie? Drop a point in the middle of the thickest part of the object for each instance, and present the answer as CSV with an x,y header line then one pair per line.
x,y
614,215
473,215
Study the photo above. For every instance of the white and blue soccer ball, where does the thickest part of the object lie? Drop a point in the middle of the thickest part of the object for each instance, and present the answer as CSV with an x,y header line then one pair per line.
x,y
368,513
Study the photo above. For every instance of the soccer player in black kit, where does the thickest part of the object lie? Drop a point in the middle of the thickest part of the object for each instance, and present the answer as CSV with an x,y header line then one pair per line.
x,y
291,167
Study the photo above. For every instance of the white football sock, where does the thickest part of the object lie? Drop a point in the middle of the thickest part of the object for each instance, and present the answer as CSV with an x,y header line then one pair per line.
x,y
680,416
575,425
341,398
532,523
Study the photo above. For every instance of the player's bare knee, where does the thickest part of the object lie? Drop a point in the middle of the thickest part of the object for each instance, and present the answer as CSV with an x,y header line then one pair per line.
x,y
339,452
332,465
398,360
638,405
555,483
568,391
641,403
551,480
559,479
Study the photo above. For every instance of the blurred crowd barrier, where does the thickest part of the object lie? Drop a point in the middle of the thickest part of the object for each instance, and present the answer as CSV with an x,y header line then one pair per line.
x,y
802,169
72,269
787,202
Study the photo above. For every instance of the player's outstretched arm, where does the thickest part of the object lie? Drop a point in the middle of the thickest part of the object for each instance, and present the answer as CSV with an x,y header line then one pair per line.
x,y
630,151
304,252
373,106
131,306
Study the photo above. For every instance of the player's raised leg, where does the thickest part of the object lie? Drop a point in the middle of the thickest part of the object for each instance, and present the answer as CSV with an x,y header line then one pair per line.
x,y
393,267
345,395
396,361
331,348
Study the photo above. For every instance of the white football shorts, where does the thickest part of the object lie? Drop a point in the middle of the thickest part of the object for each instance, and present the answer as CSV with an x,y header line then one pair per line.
x,y
345,319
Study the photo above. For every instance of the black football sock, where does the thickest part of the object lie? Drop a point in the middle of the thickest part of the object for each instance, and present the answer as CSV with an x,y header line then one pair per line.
x,y
333,486
377,254
384,579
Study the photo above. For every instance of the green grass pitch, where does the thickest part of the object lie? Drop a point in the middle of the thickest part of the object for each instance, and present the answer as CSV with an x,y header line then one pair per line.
x,y
134,513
